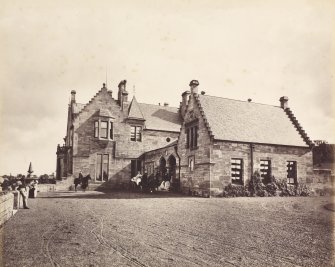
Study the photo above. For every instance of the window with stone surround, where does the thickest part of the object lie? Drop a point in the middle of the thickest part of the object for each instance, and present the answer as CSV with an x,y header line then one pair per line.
x,y
102,167
291,172
265,170
96,129
136,133
103,129
191,131
236,171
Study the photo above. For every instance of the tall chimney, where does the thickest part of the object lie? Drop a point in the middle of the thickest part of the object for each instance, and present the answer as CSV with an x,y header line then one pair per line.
x,y
183,104
122,94
73,96
284,102
194,86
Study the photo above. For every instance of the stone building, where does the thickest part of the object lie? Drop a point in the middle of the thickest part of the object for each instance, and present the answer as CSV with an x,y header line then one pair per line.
x,y
106,137
205,144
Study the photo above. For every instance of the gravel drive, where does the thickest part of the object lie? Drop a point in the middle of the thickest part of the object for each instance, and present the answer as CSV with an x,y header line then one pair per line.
x,y
134,229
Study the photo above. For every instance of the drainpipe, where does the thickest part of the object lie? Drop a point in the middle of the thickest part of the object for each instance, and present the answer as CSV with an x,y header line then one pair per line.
x,y
179,167
252,146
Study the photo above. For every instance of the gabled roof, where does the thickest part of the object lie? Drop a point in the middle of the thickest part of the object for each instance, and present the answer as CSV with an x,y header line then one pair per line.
x,y
161,117
242,121
134,110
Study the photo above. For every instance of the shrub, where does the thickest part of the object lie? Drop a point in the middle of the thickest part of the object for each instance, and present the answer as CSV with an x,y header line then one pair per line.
x,y
255,185
235,191
300,189
303,190
271,189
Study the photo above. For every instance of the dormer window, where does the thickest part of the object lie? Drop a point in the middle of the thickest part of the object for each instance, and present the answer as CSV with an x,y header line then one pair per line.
x,y
103,129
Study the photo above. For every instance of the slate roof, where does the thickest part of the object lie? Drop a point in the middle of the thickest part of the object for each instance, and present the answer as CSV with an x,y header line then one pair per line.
x,y
242,121
134,110
161,117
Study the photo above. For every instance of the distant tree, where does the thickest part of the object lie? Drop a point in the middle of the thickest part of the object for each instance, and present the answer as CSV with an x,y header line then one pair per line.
x,y
323,153
43,179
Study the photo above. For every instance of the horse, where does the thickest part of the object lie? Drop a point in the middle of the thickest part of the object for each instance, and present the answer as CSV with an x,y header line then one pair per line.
x,y
84,182
77,181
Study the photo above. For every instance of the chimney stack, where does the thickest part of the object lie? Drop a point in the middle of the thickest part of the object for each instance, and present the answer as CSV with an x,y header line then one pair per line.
x,y
194,86
183,104
122,94
73,96
284,102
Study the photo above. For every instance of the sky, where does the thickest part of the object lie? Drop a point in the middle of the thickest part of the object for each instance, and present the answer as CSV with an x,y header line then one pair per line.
x,y
260,49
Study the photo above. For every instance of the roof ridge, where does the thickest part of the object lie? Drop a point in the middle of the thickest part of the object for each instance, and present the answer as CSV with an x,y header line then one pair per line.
x,y
162,106
240,100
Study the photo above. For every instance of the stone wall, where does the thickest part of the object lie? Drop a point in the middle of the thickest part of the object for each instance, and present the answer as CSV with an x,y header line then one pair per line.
x,y
7,203
223,152
196,181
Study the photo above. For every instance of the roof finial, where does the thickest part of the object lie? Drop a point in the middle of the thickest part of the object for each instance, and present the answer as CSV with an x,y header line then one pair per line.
x,y
134,91
106,76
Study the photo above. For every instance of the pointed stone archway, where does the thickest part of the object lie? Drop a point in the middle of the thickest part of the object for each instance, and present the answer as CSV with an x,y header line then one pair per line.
x,y
162,165
172,165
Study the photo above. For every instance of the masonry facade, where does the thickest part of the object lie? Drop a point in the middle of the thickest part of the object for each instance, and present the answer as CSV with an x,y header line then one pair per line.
x,y
205,144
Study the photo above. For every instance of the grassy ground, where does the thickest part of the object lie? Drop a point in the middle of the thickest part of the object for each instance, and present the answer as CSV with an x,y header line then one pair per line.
x,y
127,229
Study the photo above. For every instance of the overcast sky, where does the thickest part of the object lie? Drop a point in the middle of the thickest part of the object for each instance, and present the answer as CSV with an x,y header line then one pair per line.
x,y
236,49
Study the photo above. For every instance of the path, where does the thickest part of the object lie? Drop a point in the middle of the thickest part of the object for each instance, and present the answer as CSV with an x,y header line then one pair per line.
x,y
125,229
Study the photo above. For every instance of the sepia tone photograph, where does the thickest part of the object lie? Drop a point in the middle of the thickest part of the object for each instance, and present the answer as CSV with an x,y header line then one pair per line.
x,y
167,133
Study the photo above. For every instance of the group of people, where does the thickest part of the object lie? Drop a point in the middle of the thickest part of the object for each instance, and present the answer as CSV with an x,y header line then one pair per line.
x,y
82,181
151,183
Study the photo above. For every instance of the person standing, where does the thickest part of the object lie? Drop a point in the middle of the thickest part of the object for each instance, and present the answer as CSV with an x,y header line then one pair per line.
x,y
22,188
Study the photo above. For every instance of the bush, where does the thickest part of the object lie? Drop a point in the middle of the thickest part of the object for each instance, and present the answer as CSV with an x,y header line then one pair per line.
x,y
235,191
271,189
303,190
300,189
255,185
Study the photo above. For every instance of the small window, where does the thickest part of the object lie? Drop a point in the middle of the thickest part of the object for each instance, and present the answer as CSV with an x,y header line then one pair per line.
x,y
103,129
236,171
265,169
291,172
136,133
191,163
96,129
